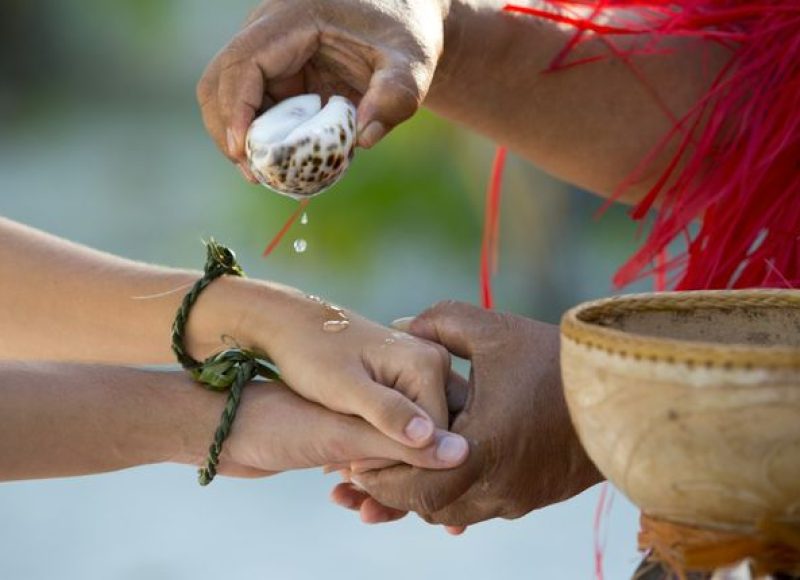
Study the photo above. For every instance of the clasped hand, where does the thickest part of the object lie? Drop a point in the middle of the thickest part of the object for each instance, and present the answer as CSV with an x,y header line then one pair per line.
x,y
524,451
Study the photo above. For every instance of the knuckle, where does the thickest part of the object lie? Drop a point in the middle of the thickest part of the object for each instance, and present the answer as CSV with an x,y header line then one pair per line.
x,y
204,90
401,94
443,356
432,356
392,409
498,328
438,309
430,518
427,504
513,513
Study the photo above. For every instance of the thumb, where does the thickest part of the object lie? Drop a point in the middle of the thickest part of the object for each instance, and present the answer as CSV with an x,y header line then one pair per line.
x,y
420,490
395,93
356,442
458,326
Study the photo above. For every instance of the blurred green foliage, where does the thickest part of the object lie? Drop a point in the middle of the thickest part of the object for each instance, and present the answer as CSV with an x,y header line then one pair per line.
x,y
109,87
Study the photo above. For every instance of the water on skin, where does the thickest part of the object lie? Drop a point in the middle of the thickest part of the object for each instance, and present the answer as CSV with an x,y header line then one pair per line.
x,y
337,325
336,318
304,219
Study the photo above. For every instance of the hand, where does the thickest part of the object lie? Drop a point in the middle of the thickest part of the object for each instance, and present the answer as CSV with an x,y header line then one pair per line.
x,y
275,430
395,381
379,53
524,451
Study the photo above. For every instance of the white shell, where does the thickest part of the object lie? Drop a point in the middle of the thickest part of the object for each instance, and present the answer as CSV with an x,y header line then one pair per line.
x,y
300,148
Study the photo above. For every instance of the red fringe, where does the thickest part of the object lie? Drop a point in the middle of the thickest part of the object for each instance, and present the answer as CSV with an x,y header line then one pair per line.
x,y
736,174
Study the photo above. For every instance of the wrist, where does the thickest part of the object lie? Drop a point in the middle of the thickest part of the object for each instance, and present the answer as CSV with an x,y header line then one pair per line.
x,y
218,318
250,314
458,15
189,414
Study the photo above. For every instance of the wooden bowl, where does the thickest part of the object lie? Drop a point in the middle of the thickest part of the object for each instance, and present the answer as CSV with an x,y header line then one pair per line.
x,y
689,402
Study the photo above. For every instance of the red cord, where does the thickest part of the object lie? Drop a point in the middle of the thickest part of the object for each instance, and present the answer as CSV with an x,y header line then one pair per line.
x,y
491,227
279,236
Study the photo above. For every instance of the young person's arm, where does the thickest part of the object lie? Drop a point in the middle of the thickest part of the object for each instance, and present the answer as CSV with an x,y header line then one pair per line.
x,y
60,420
63,302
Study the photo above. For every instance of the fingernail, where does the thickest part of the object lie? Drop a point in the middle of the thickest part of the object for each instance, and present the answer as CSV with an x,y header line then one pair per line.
x,y
403,324
349,503
231,143
356,483
419,429
451,448
371,135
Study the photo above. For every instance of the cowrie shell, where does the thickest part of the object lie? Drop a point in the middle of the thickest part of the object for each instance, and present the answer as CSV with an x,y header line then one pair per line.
x,y
300,148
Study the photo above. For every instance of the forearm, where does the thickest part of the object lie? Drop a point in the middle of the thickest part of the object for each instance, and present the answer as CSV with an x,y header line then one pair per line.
x,y
61,420
591,124
63,302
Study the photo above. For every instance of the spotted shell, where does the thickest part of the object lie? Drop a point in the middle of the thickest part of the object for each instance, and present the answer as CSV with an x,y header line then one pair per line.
x,y
299,148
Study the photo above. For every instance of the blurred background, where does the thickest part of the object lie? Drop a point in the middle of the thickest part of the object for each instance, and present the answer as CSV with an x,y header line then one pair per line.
x,y
101,142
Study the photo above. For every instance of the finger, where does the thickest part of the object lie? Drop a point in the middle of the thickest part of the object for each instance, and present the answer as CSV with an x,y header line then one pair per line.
x,y
458,326
402,324
341,438
373,512
282,89
458,390
346,495
446,452
333,467
206,94
395,93
418,490
240,95
246,173
471,508
277,414
455,530
371,465
269,50
423,379
392,413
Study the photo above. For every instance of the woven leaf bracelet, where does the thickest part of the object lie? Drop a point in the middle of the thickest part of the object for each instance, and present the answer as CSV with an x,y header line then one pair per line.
x,y
228,370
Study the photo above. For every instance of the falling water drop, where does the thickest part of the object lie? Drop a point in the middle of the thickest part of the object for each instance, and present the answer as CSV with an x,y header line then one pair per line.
x,y
304,219
300,246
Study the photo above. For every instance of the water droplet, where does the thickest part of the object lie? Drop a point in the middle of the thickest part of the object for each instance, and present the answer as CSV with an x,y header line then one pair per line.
x,y
335,325
300,246
304,219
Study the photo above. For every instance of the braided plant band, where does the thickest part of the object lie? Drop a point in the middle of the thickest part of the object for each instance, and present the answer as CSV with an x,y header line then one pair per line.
x,y
229,370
